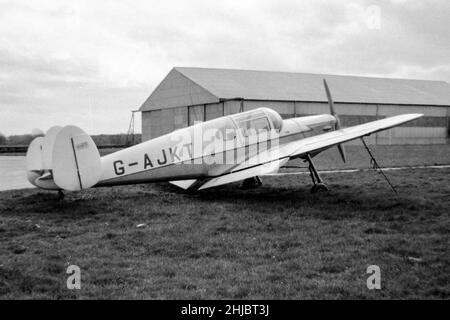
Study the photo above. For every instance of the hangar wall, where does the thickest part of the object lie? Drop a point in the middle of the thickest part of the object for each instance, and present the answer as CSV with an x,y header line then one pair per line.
x,y
433,128
187,95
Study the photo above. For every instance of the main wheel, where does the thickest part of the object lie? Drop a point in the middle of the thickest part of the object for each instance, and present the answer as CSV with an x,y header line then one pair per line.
x,y
251,183
319,187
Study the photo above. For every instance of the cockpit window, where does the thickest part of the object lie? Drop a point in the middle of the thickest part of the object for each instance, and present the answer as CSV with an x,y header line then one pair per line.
x,y
219,129
257,121
254,126
276,119
253,114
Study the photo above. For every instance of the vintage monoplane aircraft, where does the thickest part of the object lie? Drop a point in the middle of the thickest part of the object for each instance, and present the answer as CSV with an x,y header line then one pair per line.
x,y
232,148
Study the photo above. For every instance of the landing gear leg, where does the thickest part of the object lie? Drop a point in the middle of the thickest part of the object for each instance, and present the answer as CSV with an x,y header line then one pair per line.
x,y
60,195
251,183
317,181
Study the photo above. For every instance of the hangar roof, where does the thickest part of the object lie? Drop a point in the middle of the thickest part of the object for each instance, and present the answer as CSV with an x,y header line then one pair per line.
x,y
191,86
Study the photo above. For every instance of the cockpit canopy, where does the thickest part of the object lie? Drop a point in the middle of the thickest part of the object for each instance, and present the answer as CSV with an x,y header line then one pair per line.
x,y
277,120
249,123
258,120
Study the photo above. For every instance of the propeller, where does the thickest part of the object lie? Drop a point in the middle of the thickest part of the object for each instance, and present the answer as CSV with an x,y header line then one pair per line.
x,y
337,125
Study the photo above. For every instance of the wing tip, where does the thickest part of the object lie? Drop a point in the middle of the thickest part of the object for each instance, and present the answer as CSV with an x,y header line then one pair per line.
x,y
408,116
414,116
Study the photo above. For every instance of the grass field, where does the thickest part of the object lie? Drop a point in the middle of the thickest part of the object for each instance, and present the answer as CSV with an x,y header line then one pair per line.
x,y
277,241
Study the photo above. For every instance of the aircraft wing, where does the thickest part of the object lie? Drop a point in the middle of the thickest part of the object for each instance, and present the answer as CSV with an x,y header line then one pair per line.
x,y
244,173
271,160
327,140
184,184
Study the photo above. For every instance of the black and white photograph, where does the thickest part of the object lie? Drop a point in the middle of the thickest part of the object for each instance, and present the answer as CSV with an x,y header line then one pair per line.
x,y
225,154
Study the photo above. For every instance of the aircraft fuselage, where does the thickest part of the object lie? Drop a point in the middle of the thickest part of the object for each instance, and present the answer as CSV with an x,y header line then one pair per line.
x,y
206,149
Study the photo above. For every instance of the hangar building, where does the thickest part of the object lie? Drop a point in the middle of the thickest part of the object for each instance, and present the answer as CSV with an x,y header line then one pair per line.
x,y
187,95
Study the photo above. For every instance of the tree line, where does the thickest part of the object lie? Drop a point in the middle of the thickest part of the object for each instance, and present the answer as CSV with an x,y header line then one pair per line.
x,y
100,139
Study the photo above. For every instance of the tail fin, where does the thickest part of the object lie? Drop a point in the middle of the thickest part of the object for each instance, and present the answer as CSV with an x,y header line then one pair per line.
x,y
34,155
47,147
76,161
34,160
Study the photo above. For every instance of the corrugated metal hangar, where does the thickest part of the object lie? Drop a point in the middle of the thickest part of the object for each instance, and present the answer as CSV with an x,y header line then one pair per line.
x,y
187,95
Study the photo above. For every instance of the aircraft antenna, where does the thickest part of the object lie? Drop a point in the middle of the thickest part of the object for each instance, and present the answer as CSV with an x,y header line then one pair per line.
x,y
376,166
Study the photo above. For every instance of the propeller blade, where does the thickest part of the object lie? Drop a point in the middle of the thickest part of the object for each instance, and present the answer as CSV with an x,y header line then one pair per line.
x,y
337,125
330,99
341,149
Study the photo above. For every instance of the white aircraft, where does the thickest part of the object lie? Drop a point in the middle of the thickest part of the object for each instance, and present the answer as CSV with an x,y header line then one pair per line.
x,y
232,148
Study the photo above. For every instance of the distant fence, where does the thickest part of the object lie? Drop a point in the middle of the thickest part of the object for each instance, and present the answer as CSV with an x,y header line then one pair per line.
x,y
23,148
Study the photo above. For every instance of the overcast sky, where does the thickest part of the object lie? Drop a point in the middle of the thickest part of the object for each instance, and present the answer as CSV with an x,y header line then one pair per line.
x,y
90,63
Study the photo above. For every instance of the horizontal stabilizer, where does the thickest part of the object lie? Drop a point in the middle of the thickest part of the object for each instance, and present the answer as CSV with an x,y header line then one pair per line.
x,y
46,182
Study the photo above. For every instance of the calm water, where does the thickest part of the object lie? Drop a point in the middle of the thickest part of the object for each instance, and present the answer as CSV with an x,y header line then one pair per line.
x,y
13,173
